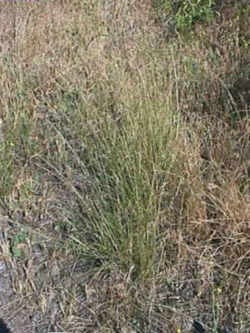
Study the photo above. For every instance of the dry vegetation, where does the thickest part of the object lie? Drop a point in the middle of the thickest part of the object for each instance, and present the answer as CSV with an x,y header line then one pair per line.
x,y
125,164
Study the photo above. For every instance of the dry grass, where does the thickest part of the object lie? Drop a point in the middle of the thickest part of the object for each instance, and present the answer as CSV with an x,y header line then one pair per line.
x,y
124,175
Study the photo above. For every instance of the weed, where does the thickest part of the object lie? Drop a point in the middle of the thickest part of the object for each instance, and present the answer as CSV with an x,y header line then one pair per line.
x,y
184,14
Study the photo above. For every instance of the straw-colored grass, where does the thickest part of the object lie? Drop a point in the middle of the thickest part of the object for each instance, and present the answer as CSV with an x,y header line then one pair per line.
x,y
124,175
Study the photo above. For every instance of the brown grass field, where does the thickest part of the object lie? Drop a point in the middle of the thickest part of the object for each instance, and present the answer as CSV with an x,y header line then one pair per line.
x,y
124,168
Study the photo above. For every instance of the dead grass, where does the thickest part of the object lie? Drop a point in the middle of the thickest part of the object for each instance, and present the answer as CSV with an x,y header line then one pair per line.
x,y
124,174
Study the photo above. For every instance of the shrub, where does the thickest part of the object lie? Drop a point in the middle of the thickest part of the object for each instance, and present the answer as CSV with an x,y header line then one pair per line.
x,y
185,13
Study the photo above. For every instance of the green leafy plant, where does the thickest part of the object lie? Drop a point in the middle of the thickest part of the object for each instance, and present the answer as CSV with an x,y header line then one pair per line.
x,y
186,13
18,244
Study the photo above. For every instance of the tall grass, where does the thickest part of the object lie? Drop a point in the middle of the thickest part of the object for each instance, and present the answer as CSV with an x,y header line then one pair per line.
x,y
130,158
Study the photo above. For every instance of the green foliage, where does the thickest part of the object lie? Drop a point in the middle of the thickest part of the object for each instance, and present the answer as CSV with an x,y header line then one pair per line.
x,y
186,13
17,243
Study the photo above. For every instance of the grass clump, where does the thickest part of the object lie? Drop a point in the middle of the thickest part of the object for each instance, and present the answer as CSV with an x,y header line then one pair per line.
x,y
129,162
